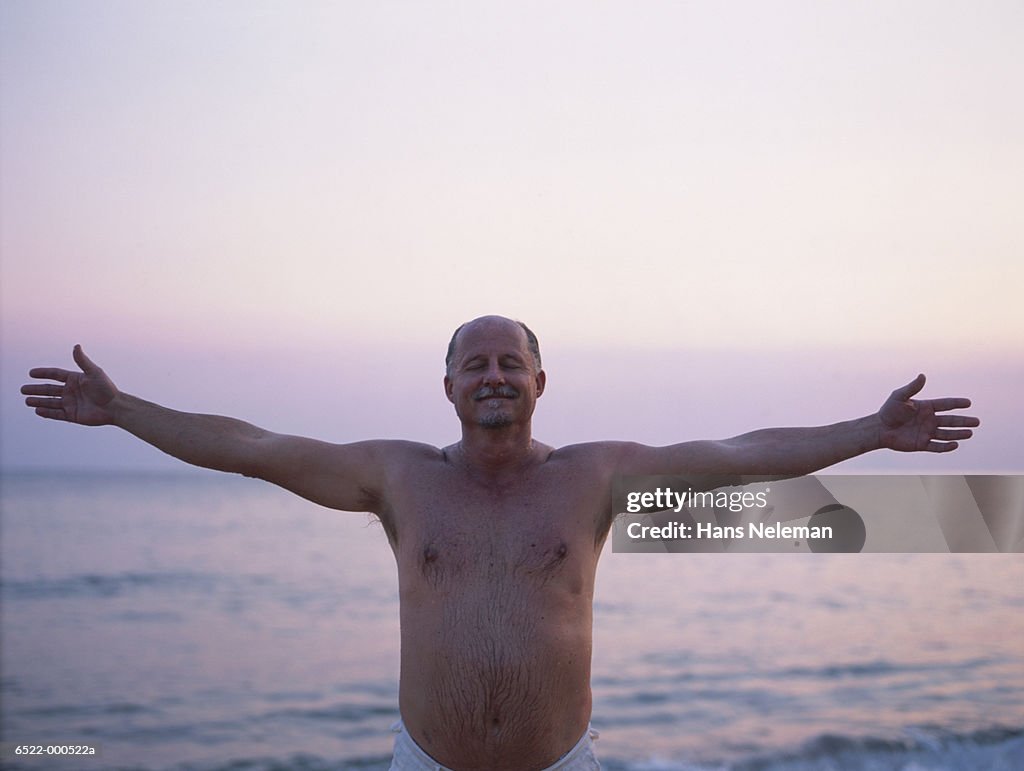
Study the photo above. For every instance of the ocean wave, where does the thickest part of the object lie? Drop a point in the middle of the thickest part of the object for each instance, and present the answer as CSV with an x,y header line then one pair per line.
x,y
235,588
998,748
93,585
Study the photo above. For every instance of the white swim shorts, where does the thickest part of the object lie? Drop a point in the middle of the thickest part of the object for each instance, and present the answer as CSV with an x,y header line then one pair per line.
x,y
409,756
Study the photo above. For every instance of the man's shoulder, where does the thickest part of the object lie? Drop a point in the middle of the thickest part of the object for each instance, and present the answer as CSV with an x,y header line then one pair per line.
x,y
407,450
603,452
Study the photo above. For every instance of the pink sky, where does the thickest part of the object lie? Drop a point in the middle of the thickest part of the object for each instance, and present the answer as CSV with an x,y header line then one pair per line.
x,y
714,218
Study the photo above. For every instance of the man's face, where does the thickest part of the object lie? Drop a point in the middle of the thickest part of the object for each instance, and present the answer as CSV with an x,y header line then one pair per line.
x,y
494,381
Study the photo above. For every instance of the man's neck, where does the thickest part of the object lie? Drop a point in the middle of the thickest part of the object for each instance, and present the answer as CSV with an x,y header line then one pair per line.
x,y
494,452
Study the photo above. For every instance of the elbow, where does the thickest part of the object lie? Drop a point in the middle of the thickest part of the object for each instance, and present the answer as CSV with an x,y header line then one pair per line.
x,y
251,458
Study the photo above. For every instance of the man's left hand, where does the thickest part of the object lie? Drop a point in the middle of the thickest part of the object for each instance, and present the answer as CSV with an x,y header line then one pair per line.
x,y
913,425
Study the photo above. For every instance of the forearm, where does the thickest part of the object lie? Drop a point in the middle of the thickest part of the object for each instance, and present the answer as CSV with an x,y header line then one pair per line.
x,y
798,451
210,441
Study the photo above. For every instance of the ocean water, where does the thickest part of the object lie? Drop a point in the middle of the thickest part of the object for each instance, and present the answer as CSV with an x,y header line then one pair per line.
x,y
196,621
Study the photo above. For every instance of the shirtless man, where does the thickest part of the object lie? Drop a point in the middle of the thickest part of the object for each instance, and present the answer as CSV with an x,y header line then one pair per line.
x,y
496,537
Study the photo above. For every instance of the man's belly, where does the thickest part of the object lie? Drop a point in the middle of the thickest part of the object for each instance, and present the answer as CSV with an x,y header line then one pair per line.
x,y
496,673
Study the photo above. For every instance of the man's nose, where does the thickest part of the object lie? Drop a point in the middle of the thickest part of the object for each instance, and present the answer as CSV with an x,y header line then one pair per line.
x,y
494,375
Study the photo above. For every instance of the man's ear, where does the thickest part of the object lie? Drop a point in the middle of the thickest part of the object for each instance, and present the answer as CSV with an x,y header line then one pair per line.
x,y
448,389
542,379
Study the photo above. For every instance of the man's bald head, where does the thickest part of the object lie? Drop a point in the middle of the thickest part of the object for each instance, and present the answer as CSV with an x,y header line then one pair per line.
x,y
531,339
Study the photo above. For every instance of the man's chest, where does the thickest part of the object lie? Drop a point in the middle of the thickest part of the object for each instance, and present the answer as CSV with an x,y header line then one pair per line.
x,y
450,529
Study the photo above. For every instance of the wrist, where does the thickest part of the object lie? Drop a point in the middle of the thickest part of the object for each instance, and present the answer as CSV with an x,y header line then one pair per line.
x,y
119,408
875,432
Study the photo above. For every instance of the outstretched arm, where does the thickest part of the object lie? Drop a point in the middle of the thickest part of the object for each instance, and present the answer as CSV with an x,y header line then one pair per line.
x,y
345,477
902,423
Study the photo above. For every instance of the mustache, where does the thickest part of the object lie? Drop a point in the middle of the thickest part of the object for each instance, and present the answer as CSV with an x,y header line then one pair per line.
x,y
487,392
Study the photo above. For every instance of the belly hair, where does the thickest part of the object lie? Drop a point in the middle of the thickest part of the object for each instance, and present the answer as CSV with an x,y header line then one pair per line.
x,y
496,692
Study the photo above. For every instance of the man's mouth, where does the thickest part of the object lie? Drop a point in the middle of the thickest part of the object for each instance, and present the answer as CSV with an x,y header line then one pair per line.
x,y
495,393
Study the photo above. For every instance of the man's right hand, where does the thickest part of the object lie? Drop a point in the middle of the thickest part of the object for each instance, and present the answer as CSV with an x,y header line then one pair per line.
x,y
83,397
